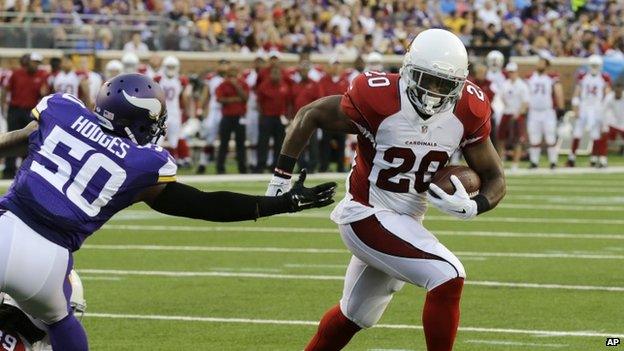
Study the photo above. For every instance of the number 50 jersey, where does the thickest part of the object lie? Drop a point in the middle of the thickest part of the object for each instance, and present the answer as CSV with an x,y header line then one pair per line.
x,y
76,176
398,152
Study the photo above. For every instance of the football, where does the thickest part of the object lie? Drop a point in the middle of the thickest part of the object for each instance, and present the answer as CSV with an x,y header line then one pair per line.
x,y
469,178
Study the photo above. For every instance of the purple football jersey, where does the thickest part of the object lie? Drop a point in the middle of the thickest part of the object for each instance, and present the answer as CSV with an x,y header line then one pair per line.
x,y
76,176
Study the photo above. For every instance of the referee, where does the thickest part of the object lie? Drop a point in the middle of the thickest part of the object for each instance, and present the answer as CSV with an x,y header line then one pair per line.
x,y
26,86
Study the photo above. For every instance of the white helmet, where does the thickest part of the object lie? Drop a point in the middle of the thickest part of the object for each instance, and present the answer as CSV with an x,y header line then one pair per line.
x,y
495,60
130,62
435,69
171,66
77,300
113,68
374,62
595,64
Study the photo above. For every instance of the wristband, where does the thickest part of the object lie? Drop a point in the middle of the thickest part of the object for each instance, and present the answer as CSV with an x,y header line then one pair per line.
x,y
483,204
284,167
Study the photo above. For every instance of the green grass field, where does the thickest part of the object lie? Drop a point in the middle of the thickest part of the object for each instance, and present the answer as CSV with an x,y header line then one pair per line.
x,y
544,272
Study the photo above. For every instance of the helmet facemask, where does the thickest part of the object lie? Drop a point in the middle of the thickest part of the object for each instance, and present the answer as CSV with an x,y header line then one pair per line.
x,y
431,92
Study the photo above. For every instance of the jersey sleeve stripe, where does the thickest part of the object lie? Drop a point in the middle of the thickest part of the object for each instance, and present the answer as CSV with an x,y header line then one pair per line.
x,y
167,179
35,113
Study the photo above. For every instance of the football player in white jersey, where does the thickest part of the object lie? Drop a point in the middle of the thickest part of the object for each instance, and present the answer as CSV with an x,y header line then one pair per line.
x,y
72,82
495,61
614,114
408,125
178,92
112,69
94,79
588,104
213,118
252,116
512,128
544,92
21,332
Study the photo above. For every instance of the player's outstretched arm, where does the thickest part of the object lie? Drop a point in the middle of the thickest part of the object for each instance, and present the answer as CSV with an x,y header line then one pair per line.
x,y
324,113
179,199
15,143
484,160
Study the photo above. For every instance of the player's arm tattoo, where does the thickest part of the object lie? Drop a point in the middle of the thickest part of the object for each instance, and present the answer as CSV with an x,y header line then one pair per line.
x,y
15,143
484,160
324,113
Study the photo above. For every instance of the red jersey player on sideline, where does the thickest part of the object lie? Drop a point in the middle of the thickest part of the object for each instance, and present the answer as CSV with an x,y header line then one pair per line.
x,y
407,125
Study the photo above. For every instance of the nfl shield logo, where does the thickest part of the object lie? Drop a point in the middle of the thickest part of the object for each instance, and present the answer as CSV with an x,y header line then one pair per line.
x,y
424,129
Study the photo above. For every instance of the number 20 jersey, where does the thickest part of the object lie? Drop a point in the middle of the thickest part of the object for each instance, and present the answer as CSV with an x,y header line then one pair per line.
x,y
76,176
398,152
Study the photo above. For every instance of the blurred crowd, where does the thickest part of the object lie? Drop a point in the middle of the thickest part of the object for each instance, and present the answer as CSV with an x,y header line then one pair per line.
x,y
345,28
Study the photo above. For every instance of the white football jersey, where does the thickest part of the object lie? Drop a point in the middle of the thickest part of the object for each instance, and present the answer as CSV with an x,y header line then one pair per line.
x,y
398,152
592,89
541,91
173,88
614,111
514,94
95,83
498,79
251,78
68,82
213,84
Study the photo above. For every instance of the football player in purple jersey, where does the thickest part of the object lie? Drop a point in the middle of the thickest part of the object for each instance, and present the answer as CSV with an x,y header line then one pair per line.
x,y
83,167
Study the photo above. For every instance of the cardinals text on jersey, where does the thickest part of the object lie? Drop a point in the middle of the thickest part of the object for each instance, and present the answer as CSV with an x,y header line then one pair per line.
x,y
398,152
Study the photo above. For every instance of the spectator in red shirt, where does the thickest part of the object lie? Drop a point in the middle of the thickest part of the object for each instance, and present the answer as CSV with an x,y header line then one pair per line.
x,y
272,96
232,94
334,82
304,92
26,85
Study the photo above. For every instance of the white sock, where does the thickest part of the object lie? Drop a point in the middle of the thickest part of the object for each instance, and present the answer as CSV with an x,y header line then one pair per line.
x,y
203,159
252,156
593,158
552,154
602,160
534,154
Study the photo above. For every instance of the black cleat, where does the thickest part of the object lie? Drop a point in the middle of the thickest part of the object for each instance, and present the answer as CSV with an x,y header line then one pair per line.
x,y
532,165
570,163
201,169
553,165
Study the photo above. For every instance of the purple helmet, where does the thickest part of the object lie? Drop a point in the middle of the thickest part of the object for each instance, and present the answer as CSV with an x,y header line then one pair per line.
x,y
133,106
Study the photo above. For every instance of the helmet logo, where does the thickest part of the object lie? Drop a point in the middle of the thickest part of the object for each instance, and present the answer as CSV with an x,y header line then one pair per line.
x,y
153,105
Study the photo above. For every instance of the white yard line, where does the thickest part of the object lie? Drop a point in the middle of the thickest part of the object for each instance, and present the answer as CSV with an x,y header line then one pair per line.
x,y
529,206
281,250
230,178
325,215
334,231
181,274
100,278
590,334
512,343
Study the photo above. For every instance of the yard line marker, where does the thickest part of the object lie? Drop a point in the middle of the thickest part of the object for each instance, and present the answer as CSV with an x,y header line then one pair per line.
x,y
334,231
335,251
428,218
591,334
512,343
180,274
529,206
101,278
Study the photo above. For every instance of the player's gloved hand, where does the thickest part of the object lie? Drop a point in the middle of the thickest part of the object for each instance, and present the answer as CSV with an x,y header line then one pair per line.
x,y
459,204
302,198
278,186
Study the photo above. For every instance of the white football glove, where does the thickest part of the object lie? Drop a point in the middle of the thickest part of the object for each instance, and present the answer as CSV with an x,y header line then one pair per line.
x,y
459,204
278,186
